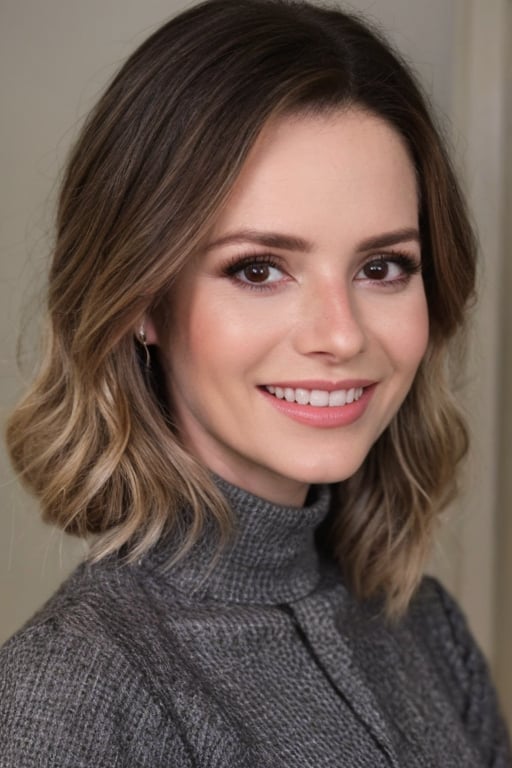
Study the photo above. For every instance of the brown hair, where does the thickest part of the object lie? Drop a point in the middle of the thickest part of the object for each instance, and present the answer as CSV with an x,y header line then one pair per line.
x,y
155,161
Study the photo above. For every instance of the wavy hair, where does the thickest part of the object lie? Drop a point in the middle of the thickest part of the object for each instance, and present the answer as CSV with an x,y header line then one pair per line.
x,y
94,437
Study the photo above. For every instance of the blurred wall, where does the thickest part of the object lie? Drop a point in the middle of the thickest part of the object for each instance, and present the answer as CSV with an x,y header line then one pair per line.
x,y
503,618
55,58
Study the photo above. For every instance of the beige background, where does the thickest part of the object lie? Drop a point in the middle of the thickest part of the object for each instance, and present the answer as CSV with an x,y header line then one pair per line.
x,y
56,56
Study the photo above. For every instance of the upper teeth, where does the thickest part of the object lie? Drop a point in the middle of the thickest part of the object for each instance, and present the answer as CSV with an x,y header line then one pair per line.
x,y
317,397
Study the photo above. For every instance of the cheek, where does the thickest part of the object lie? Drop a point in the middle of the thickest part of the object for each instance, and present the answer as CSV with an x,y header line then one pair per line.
x,y
210,339
231,329
403,331
413,335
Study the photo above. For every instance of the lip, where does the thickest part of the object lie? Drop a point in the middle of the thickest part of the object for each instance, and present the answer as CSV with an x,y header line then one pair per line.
x,y
323,418
326,386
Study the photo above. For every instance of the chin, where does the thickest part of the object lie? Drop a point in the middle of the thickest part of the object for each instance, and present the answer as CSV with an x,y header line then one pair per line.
x,y
326,475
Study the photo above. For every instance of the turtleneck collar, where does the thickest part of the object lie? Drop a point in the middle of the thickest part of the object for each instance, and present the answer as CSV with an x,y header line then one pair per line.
x,y
271,557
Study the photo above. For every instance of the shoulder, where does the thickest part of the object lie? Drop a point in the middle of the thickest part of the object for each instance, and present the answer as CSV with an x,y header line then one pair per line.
x,y
71,693
440,626
441,629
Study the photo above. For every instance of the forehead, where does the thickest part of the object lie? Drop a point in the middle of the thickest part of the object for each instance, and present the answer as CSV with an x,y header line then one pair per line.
x,y
343,172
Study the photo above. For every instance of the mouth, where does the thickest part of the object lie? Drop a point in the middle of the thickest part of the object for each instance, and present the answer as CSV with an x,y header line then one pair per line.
x,y
318,398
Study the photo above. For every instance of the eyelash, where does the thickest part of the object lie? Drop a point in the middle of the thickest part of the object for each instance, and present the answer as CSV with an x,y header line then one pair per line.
x,y
238,263
408,264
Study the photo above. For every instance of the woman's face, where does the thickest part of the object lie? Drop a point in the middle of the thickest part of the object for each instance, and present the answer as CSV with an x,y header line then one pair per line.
x,y
294,337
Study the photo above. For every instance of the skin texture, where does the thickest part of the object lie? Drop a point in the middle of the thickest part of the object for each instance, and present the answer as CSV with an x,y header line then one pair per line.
x,y
317,314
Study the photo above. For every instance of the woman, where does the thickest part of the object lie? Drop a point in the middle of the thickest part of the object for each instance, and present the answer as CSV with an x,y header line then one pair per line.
x,y
262,258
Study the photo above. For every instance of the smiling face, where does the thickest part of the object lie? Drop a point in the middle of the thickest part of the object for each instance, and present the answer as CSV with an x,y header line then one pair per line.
x,y
291,341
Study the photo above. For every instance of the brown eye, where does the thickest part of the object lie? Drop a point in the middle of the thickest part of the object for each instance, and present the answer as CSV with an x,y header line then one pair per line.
x,y
256,273
390,270
376,270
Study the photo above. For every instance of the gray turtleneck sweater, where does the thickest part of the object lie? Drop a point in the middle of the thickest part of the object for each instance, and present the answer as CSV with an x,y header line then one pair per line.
x,y
265,662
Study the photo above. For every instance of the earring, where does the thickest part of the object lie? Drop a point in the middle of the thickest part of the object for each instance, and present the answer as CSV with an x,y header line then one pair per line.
x,y
141,336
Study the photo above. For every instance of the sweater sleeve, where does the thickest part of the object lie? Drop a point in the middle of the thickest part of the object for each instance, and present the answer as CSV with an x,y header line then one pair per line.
x,y
478,702
65,702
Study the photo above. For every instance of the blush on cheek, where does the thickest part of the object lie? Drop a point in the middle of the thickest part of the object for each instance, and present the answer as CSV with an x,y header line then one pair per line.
x,y
416,332
423,336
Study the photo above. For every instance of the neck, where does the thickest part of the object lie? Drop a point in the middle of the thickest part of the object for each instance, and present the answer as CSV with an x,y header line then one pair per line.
x,y
271,557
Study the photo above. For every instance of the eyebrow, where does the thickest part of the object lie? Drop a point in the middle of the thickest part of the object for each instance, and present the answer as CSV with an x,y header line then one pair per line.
x,y
390,238
295,243
268,239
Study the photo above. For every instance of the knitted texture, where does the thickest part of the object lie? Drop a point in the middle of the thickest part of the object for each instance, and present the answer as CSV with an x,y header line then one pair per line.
x,y
264,661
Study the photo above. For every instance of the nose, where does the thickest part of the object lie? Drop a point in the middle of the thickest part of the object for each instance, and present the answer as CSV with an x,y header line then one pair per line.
x,y
330,324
